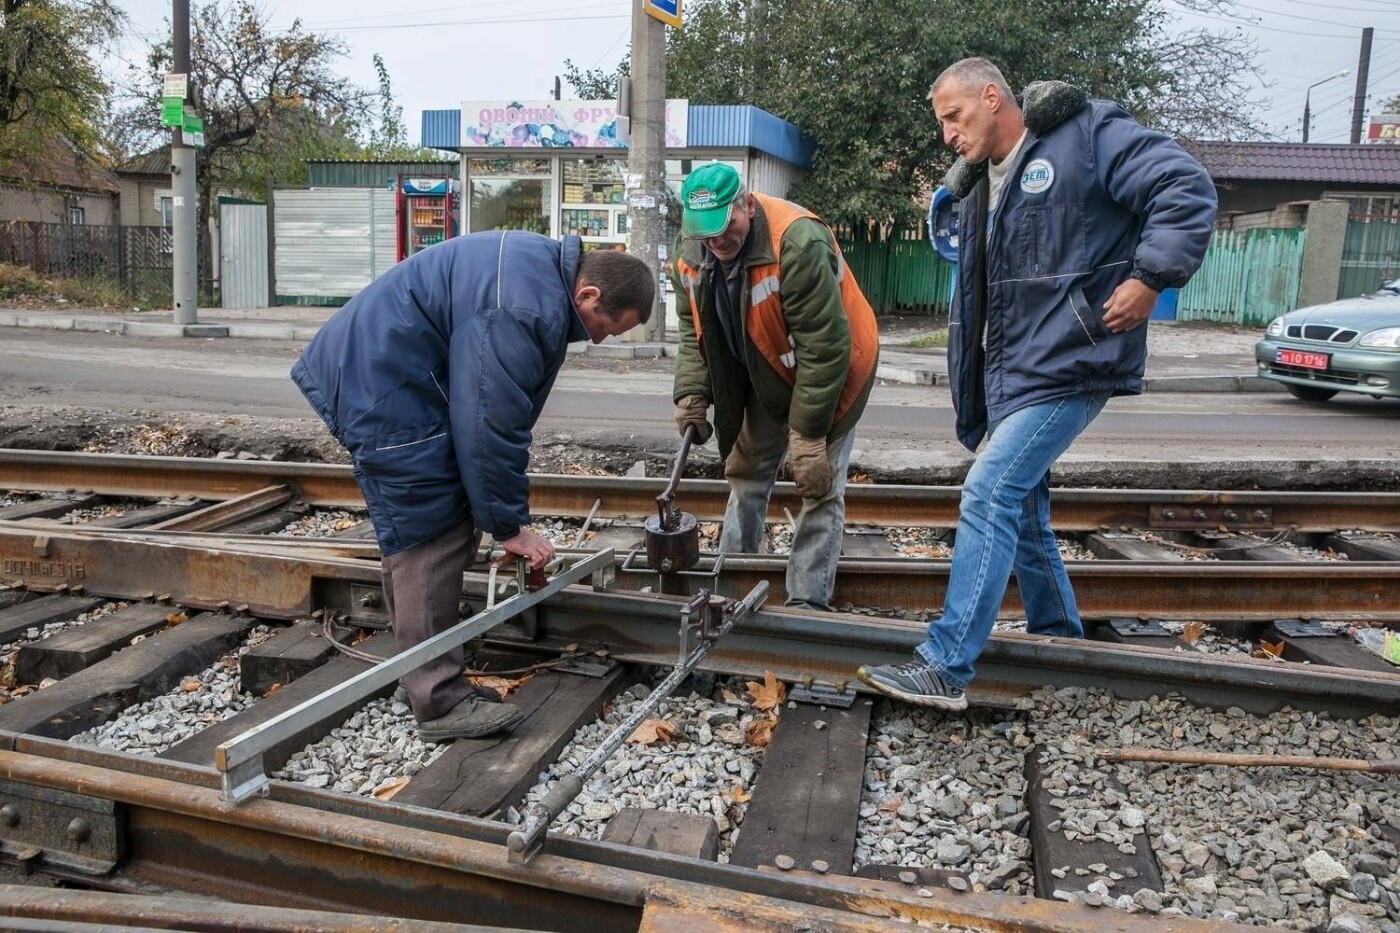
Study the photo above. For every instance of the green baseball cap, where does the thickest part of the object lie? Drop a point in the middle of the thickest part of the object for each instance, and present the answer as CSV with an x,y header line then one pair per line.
x,y
706,195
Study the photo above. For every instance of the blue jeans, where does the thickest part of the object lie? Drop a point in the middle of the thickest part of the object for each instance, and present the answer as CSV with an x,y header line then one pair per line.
x,y
1004,524
818,529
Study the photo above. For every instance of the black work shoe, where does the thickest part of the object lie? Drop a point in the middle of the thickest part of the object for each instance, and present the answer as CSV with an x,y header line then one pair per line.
x,y
914,682
471,719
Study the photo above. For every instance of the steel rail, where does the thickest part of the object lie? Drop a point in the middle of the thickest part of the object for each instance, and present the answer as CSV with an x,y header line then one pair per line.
x,y
633,499
1220,591
795,645
337,851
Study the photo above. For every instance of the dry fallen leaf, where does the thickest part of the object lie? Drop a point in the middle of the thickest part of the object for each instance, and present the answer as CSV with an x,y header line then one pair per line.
x,y
1192,632
1268,649
759,733
190,686
652,731
175,618
893,805
271,690
389,788
739,794
860,478
729,696
502,685
769,694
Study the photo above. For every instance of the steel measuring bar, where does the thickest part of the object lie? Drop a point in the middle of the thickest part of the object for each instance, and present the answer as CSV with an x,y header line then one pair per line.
x,y
240,760
526,841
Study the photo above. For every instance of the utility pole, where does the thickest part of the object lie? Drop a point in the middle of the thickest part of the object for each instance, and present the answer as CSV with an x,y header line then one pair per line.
x,y
184,221
1363,73
646,158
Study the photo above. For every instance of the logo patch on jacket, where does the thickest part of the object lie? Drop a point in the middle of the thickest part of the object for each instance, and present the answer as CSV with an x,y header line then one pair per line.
x,y
1037,177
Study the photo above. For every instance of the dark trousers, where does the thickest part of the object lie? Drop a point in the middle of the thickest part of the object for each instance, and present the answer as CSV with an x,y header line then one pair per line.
x,y
422,590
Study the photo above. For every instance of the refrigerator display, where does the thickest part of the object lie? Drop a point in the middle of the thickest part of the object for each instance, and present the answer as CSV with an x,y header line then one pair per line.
x,y
427,209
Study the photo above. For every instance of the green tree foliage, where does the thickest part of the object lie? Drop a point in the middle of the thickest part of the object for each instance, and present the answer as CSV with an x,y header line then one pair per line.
x,y
388,138
855,75
270,99
49,83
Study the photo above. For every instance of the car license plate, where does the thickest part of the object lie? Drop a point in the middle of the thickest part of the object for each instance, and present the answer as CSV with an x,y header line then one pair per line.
x,y
1301,358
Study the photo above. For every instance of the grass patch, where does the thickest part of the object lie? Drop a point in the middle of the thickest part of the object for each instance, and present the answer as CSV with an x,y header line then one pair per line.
x,y
23,285
938,338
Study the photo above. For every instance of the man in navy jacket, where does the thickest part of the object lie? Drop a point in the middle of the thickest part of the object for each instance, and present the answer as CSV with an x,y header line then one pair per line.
x,y
433,377
1074,217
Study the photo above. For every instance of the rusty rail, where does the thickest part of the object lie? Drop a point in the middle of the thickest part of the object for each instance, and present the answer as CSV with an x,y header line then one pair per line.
x,y
1224,591
795,645
634,499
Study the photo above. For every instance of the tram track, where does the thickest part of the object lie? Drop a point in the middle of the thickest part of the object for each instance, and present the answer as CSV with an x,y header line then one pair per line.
x,y
824,802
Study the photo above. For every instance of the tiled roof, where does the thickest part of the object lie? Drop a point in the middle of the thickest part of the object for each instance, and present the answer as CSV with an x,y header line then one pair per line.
x,y
60,165
155,162
1341,164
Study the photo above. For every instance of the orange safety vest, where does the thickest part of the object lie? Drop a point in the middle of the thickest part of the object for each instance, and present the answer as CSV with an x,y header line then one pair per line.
x,y
767,327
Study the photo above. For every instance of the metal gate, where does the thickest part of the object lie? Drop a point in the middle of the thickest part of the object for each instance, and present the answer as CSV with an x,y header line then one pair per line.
x,y
243,255
1370,256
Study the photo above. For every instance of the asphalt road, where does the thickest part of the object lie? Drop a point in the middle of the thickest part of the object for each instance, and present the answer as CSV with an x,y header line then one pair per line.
x,y
622,403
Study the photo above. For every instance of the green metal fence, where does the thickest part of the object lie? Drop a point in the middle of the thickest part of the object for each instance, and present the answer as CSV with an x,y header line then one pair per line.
x,y
900,275
1370,255
1249,277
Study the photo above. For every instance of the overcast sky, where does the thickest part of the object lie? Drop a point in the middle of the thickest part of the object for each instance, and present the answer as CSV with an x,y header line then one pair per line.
x,y
439,55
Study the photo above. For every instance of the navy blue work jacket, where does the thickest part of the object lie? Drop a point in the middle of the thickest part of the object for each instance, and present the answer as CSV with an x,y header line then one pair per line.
x,y
434,375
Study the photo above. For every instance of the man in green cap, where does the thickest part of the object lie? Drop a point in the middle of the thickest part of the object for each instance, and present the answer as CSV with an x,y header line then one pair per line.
x,y
780,340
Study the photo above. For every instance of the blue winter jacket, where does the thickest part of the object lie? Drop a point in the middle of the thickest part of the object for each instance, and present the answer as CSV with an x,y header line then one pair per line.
x,y
433,377
1092,198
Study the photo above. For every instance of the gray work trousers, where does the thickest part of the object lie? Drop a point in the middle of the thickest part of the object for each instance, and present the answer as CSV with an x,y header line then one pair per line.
x,y
422,591
751,470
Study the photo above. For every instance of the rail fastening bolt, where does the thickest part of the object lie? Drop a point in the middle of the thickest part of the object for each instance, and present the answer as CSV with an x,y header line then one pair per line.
x,y
1198,514
79,830
1169,514
908,877
9,815
785,862
1231,515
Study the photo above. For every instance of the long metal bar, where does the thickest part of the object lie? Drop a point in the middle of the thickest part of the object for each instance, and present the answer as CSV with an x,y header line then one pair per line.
x,y
525,842
630,498
240,759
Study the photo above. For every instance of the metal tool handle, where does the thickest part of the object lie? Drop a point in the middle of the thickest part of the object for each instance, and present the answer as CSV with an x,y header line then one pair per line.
x,y
668,495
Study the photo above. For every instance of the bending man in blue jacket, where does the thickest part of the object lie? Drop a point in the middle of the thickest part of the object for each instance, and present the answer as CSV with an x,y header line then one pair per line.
x,y
433,377
1073,219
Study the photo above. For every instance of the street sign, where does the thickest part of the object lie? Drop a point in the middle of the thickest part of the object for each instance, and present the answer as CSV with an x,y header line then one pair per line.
x,y
668,11
176,86
192,132
172,111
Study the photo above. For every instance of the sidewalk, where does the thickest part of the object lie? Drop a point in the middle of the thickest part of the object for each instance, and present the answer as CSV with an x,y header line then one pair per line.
x,y
1182,357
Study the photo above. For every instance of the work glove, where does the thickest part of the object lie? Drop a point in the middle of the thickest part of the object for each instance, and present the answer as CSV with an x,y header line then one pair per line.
x,y
811,470
692,409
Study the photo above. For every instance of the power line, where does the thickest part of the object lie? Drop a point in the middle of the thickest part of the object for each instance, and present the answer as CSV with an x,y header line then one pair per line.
x,y
440,9
483,22
1236,21
1310,19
